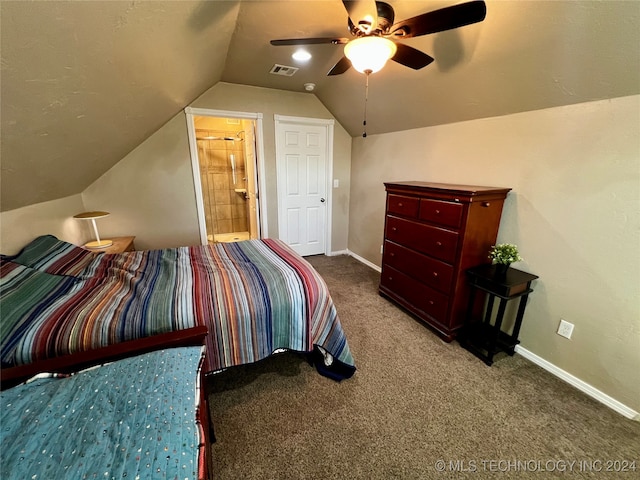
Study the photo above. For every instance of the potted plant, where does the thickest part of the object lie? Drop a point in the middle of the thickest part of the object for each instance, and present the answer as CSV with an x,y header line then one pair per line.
x,y
503,255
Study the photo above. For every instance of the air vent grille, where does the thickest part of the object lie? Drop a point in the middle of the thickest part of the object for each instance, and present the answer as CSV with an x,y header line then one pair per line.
x,y
283,70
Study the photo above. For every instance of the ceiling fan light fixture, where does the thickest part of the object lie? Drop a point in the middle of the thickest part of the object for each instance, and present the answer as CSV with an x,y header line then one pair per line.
x,y
301,55
369,54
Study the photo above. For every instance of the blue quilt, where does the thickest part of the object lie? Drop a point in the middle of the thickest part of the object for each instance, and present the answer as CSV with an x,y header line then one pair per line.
x,y
134,418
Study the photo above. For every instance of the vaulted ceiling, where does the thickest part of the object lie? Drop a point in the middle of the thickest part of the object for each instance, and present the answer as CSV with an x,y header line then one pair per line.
x,y
84,83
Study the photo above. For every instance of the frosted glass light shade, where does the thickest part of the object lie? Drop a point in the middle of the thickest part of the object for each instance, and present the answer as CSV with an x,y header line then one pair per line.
x,y
93,216
301,55
369,54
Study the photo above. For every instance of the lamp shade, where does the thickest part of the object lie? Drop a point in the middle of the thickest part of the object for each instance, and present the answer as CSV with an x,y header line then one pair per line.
x,y
369,54
93,216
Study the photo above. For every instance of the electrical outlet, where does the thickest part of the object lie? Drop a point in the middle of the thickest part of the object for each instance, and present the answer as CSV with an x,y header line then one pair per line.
x,y
565,329
381,249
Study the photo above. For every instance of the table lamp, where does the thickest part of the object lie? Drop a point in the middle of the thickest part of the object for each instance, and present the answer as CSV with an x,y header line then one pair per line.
x,y
97,243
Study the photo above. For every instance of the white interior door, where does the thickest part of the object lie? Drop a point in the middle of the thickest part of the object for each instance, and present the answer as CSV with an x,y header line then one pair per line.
x,y
303,163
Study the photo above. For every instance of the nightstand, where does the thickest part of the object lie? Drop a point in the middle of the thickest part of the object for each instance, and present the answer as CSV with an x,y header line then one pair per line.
x,y
120,245
482,338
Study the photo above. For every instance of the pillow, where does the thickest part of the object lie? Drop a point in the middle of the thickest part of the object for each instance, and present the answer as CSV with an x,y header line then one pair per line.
x,y
50,255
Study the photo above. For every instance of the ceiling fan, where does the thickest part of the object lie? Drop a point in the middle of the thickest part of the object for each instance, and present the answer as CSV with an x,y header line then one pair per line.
x,y
372,24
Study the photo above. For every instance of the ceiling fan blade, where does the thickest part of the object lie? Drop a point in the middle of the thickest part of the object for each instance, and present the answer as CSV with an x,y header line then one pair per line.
x,y
363,13
411,57
342,66
441,20
310,41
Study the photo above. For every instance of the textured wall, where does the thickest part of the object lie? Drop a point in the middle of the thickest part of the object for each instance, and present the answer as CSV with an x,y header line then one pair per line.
x,y
269,102
150,192
18,227
573,212
94,80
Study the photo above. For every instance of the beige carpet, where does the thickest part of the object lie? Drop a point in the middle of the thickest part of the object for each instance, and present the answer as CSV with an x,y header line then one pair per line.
x,y
417,408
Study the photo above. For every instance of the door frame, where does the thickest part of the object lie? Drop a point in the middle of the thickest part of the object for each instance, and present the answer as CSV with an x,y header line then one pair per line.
x,y
281,120
260,183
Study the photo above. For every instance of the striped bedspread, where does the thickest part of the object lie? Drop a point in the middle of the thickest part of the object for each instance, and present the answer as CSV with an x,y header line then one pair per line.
x,y
255,297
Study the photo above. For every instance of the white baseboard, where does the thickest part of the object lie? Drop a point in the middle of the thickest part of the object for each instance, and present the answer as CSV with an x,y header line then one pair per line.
x,y
548,366
579,384
338,252
365,261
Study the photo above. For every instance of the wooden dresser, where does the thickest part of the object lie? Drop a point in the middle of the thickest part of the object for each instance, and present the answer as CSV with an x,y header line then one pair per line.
x,y
433,233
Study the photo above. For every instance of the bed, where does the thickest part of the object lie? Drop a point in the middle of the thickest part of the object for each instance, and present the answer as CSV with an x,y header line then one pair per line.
x,y
139,417
255,297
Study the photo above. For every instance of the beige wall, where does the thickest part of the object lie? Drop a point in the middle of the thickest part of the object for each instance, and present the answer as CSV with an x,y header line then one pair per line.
x,y
574,213
18,227
269,102
150,192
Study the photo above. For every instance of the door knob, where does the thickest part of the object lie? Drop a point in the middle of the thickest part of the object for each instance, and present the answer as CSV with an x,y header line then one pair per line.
x,y
322,200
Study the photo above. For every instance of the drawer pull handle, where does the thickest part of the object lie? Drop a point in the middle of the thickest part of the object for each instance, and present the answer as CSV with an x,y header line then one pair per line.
x,y
438,244
392,254
437,212
390,279
486,204
400,204
430,302
394,229
435,274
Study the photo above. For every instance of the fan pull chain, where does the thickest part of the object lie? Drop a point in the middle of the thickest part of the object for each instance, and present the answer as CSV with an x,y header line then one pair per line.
x,y
366,98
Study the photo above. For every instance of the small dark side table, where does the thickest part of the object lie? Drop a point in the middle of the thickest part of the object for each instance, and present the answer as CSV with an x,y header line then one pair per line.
x,y
482,338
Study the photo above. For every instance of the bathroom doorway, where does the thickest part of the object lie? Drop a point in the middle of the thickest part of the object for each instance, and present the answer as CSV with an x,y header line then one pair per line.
x,y
225,172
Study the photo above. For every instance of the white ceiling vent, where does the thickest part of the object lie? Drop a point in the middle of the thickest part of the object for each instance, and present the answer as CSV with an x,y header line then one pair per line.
x,y
283,70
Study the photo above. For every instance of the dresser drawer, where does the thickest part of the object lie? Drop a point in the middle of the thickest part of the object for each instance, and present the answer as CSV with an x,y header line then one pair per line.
x,y
428,270
433,233
404,206
418,295
435,242
441,212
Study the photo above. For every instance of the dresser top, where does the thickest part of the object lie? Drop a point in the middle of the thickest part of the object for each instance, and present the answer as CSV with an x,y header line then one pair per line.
x,y
446,187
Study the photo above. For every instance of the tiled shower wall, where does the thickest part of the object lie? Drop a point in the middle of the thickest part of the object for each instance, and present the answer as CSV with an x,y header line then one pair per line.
x,y
225,209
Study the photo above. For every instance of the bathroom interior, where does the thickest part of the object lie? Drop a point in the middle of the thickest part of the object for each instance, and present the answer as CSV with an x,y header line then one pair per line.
x,y
226,155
